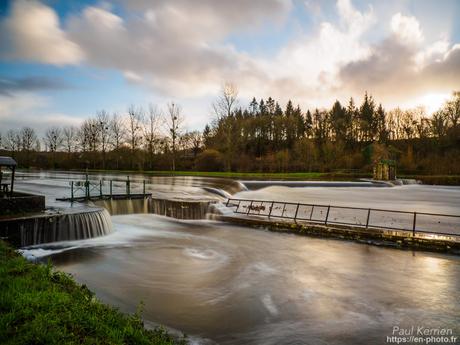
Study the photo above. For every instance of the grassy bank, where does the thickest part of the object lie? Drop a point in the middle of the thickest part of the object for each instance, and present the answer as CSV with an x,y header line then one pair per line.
x,y
39,305
453,180
314,176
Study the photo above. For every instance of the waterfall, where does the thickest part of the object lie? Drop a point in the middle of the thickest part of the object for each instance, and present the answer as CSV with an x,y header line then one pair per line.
x,y
180,209
59,227
124,206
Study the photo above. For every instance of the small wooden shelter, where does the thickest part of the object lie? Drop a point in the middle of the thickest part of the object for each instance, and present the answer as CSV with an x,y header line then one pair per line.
x,y
11,164
385,169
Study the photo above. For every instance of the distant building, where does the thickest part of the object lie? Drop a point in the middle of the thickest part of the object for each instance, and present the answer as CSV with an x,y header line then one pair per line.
x,y
385,169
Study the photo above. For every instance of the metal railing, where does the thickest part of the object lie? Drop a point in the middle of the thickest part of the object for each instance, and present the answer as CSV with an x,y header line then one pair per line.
x,y
414,222
87,189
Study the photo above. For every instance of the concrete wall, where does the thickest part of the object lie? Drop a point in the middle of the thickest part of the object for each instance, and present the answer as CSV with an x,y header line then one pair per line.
x,y
21,203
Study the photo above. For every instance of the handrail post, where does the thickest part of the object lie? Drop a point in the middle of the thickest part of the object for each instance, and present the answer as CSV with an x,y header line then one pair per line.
x,y
284,209
249,207
128,186
100,188
311,213
237,207
327,214
413,224
71,191
87,187
143,188
368,216
296,211
111,189
226,204
271,208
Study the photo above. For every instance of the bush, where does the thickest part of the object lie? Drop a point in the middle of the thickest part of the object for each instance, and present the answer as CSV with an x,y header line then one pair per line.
x,y
209,160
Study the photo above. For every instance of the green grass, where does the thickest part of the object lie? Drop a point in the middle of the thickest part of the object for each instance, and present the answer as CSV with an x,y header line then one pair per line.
x,y
39,305
246,175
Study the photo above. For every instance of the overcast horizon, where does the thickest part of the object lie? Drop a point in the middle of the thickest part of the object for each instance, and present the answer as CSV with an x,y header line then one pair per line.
x,y
61,61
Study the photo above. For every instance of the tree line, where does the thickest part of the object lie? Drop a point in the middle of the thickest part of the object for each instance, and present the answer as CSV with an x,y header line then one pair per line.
x,y
264,136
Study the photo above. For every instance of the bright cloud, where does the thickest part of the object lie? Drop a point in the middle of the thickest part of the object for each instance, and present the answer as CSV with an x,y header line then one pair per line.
x,y
32,33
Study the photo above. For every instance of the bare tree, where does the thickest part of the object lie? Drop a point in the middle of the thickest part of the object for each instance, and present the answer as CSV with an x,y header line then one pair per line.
x,y
28,140
103,122
174,121
224,107
117,131
12,141
226,101
151,131
135,117
452,109
70,134
193,141
53,141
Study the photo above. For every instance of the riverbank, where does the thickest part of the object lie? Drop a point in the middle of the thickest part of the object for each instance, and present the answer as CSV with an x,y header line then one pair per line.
x,y
42,306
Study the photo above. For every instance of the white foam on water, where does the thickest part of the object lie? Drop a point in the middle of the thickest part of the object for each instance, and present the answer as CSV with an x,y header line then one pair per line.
x,y
206,254
270,305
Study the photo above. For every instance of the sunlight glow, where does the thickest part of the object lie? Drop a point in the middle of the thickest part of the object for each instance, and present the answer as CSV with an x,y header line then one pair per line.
x,y
433,101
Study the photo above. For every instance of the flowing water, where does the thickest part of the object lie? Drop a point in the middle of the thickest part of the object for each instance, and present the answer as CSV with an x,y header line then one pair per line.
x,y
228,284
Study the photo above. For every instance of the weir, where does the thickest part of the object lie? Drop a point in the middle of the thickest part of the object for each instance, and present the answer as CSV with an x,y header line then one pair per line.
x,y
45,228
179,209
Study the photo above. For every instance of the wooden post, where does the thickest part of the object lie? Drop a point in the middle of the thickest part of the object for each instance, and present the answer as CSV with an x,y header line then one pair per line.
x,y
12,181
327,214
413,224
368,216
87,187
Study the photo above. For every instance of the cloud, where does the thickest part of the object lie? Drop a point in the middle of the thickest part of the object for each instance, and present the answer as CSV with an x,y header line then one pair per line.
x,y
306,68
8,86
173,47
26,108
181,49
401,68
32,33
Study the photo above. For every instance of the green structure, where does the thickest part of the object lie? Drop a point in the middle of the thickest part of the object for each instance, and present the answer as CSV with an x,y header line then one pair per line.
x,y
385,169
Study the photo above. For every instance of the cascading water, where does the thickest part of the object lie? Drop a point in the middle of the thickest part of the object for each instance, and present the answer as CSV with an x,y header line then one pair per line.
x,y
59,227
180,209
124,206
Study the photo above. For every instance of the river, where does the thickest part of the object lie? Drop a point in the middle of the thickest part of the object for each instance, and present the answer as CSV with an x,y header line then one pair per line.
x,y
227,284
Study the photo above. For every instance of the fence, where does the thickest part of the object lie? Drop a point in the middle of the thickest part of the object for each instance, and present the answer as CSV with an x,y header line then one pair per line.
x,y
415,222
88,189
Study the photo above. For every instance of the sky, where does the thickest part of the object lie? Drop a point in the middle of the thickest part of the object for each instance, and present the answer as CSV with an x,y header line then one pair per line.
x,y
62,61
